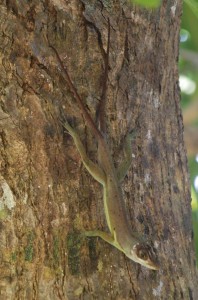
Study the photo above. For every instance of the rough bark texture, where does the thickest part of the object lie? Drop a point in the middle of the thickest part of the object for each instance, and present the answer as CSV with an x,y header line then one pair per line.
x,y
47,197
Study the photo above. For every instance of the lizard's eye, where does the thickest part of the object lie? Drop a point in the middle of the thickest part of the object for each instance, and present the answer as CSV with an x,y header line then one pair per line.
x,y
142,254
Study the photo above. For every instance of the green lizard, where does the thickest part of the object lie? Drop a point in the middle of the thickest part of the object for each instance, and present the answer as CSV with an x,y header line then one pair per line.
x,y
121,236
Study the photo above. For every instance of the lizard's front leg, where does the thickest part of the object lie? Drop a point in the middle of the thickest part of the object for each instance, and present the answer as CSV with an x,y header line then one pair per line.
x,y
107,237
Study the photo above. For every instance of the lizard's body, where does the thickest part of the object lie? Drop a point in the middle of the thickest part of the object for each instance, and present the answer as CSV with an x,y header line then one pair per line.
x,y
113,200
121,235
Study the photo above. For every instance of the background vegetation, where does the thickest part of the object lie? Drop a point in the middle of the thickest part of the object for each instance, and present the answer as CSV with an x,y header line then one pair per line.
x,y
188,84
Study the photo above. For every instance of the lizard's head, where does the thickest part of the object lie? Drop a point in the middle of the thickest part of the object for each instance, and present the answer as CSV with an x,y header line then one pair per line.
x,y
145,255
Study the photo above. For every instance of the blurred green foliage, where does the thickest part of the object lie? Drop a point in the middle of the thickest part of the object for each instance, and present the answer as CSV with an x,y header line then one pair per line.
x,y
147,3
188,67
193,5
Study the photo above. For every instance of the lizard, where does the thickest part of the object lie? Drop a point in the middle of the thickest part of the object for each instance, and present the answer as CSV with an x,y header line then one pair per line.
x,y
120,233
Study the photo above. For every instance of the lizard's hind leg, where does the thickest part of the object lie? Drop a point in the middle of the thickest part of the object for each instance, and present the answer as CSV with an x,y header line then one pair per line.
x,y
96,172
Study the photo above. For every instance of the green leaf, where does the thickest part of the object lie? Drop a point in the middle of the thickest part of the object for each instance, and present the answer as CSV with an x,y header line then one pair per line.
x,y
147,3
193,5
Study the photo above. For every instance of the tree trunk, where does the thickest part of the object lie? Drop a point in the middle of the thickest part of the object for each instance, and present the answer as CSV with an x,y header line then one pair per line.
x,y
47,196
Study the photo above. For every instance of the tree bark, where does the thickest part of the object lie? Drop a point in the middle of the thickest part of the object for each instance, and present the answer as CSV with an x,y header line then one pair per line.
x,y
47,197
